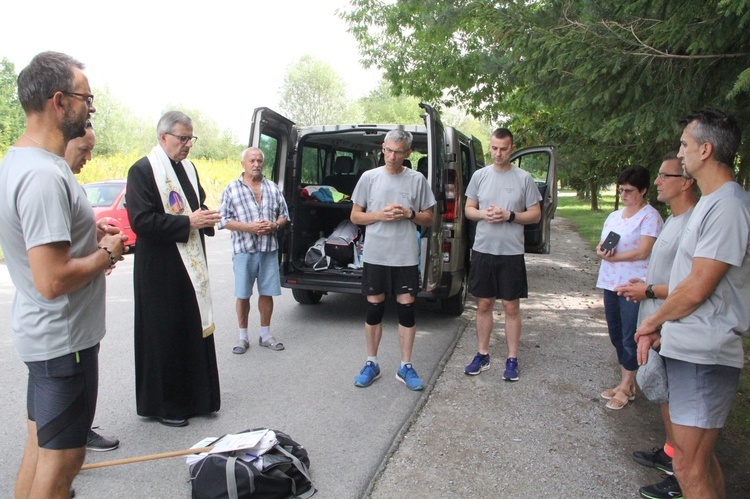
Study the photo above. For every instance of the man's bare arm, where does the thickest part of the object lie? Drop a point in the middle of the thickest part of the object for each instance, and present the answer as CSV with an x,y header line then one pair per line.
x,y
56,273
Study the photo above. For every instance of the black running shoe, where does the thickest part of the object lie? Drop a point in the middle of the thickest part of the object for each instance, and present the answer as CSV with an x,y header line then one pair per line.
x,y
657,458
100,443
666,489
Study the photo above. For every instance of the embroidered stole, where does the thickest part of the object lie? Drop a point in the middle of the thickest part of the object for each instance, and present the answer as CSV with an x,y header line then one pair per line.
x,y
191,252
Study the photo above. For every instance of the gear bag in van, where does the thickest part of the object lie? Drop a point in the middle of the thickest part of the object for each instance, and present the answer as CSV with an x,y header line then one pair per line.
x,y
340,244
316,255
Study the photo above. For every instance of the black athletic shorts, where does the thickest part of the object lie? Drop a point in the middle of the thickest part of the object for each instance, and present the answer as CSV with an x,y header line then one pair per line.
x,y
61,398
394,281
498,276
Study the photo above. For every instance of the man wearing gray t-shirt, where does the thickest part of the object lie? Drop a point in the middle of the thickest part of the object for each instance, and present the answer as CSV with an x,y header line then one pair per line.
x,y
681,194
708,307
391,201
501,199
56,259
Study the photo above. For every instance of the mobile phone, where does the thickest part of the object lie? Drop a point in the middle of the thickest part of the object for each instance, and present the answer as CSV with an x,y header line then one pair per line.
x,y
611,242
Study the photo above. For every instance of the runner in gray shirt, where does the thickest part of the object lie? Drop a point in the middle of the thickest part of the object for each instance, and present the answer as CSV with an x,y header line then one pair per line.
x,y
56,259
501,199
708,307
391,201
681,194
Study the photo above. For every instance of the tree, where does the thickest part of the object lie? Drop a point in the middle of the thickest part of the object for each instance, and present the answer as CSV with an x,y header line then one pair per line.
x,y
313,94
382,106
614,75
213,143
12,117
118,130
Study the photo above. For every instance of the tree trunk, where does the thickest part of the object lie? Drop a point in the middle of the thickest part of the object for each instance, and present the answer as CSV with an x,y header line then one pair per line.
x,y
594,193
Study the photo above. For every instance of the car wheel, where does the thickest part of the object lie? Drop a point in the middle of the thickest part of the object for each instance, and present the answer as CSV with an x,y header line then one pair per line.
x,y
455,305
306,297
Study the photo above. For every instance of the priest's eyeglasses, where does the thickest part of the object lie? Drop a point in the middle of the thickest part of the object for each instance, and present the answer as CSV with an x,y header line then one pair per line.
x,y
184,139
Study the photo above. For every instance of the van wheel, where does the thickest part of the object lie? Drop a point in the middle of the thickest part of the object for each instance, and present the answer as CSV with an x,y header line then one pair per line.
x,y
454,305
306,297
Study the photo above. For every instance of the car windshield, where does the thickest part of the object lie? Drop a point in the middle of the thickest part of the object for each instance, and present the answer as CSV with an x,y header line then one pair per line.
x,y
100,195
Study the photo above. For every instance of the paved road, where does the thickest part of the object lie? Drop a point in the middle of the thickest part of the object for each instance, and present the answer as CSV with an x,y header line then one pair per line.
x,y
306,390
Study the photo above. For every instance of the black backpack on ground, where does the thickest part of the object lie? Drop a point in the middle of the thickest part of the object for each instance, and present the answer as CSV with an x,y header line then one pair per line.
x,y
285,474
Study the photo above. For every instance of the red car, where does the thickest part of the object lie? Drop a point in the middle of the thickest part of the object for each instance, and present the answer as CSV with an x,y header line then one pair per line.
x,y
107,198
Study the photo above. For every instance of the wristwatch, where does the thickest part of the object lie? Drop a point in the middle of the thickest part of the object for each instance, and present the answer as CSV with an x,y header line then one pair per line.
x,y
650,291
413,215
512,216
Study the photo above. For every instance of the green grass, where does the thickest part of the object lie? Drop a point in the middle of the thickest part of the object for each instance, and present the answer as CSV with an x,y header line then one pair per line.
x,y
589,225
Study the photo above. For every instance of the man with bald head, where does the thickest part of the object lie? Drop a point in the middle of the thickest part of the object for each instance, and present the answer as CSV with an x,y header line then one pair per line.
x,y
77,154
78,151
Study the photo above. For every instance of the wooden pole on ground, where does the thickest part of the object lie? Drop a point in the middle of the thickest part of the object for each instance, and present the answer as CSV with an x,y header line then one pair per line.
x,y
150,457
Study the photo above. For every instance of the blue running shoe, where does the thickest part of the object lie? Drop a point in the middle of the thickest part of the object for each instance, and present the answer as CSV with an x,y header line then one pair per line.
x,y
367,375
511,369
479,364
408,376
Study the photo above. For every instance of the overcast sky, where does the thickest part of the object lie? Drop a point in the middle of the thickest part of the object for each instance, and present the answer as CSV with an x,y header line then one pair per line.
x,y
223,58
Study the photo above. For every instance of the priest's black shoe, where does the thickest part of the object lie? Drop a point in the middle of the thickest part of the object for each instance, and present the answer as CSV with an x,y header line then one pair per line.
x,y
173,422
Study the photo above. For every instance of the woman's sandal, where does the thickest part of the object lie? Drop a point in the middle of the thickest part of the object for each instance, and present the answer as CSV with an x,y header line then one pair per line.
x,y
608,394
620,399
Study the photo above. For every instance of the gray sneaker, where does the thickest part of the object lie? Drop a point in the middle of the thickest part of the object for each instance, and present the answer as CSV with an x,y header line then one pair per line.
x,y
100,443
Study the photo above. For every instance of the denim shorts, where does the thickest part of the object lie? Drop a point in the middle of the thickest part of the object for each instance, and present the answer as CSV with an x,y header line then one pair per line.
x,y
61,398
262,266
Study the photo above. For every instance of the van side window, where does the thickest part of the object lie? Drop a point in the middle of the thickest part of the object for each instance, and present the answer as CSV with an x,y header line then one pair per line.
x,y
313,160
270,147
537,164
465,165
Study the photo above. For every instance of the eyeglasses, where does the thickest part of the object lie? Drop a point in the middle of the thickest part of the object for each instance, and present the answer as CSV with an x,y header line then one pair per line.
x,y
388,150
662,176
184,139
627,191
87,98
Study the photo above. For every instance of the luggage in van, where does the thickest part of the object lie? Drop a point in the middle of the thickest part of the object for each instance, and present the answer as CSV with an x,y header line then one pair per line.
x,y
316,255
340,244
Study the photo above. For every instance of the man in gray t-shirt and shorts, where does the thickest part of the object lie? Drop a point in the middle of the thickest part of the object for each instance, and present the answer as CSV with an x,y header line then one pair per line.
x,y
56,258
391,201
699,324
501,199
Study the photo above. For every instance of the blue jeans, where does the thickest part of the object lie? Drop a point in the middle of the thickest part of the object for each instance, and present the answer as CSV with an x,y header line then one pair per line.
x,y
622,320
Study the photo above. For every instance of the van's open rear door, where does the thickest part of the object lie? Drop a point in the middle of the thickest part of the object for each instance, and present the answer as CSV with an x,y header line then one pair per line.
x,y
432,263
540,162
273,134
